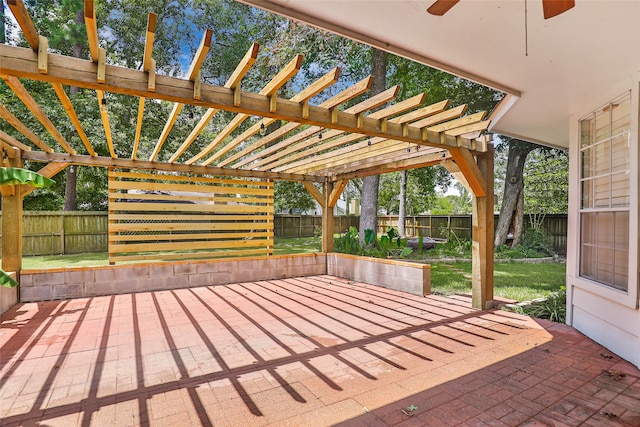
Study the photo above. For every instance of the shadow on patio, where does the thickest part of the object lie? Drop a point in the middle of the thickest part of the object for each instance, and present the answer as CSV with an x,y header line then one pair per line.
x,y
306,351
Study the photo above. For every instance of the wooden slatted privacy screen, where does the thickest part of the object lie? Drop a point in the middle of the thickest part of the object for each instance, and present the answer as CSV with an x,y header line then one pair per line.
x,y
169,216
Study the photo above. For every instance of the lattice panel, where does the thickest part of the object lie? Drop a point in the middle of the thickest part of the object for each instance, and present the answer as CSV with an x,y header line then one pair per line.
x,y
167,216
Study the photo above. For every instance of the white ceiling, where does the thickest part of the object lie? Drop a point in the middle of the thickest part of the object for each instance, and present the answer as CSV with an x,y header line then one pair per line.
x,y
574,60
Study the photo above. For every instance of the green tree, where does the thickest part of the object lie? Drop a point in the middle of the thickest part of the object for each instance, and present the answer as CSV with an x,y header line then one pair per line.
x,y
371,184
546,179
291,196
512,208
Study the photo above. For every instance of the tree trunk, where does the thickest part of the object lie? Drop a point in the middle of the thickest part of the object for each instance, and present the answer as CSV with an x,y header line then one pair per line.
x,y
371,184
513,187
518,221
402,210
71,173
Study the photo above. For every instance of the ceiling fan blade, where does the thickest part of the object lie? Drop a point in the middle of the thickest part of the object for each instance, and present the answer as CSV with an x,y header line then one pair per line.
x,y
440,7
553,8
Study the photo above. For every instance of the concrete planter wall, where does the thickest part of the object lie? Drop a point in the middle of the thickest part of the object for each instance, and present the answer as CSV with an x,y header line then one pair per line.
x,y
62,283
403,276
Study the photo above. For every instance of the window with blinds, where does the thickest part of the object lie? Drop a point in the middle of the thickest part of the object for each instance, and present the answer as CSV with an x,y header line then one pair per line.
x,y
605,136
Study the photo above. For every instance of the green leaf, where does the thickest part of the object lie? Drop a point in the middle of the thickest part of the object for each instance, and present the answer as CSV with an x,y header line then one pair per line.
x,y
369,237
14,176
6,280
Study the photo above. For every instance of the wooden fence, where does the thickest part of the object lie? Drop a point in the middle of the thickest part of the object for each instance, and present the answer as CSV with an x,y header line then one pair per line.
x,y
435,226
76,232
49,233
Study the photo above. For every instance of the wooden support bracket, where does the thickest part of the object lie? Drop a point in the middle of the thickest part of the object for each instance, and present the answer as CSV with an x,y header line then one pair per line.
x,y
273,103
197,85
43,52
151,83
338,188
334,115
315,193
237,96
384,124
102,65
467,165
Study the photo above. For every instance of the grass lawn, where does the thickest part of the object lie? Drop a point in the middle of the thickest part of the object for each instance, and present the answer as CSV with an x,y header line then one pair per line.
x,y
512,280
92,259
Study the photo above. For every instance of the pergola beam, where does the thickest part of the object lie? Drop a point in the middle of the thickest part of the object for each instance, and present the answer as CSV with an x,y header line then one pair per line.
x,y
282,148
104,116
243,67
136,140
375,101
344,96
148,65
233,82
194,76
71,112
311,155
457,123
279,158
303,96
20,127
150,37
23,19
386,163
100,161
33,106
269,90
399,107
173,116
201,54
356,153
91,24
12,142
421,113
49,170
74,71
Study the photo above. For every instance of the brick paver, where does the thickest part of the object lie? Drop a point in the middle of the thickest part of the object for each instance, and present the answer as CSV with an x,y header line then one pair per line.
x,y
312,351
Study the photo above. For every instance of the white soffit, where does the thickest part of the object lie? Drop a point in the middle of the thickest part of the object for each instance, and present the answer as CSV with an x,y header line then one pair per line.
x,y
560,67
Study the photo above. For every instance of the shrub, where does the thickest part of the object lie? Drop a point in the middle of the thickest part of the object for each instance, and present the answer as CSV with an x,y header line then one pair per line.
x,y
348,243
553,308
538,240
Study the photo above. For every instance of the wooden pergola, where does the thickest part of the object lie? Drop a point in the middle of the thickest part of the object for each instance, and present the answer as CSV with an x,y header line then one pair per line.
x,y
323,146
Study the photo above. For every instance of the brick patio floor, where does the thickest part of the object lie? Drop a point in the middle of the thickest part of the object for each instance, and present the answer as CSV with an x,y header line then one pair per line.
x,y
312,351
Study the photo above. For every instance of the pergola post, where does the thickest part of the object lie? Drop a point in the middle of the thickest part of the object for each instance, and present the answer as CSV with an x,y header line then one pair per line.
x,y
482,235
327,218
12,219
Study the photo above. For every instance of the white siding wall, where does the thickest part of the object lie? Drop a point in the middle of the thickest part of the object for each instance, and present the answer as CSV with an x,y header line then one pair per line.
x,y
604,314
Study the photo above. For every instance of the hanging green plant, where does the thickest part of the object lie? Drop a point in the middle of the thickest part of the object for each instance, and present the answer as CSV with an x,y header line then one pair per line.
x,y
6,280
14,176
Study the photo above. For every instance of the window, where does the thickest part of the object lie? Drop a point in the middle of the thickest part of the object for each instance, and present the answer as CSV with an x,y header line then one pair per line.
x,y
605,188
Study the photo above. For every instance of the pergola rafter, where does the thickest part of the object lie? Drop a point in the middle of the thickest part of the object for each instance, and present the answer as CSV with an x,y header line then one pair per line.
x,y
328,143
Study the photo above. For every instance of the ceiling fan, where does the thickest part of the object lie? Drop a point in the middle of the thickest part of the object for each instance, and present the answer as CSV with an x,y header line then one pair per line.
x,y
550,8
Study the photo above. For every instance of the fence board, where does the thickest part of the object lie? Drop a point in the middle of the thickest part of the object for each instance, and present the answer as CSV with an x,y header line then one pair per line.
x,y
158,224
48,233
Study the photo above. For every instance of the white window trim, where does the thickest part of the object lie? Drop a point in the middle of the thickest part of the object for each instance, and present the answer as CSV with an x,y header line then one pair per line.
x,y
630,297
